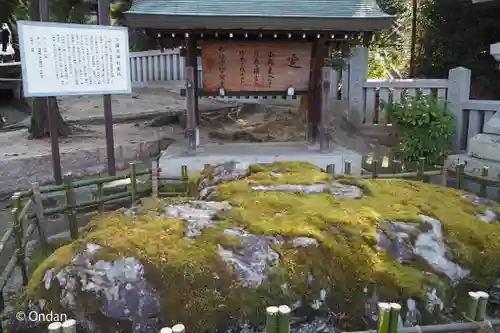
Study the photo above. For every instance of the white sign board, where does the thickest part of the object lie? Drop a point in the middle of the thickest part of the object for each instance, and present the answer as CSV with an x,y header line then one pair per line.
x,y
60,59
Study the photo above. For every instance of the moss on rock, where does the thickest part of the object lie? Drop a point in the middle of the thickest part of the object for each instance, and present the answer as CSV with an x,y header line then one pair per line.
x,y
197,287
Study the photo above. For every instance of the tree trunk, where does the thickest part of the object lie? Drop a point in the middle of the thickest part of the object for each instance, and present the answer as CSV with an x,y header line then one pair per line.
x,y
39,122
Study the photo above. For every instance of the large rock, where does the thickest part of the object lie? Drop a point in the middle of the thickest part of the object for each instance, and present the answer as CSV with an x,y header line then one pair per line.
x,y
262,235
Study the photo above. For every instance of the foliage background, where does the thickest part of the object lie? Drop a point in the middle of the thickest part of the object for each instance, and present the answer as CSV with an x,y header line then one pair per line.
x,y
450,33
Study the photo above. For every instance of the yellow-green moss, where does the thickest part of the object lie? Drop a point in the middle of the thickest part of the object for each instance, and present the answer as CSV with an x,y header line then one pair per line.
x,y
345,262
61,257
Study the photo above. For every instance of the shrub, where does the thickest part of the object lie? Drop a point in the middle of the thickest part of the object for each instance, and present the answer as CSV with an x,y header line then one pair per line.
x,y
424,128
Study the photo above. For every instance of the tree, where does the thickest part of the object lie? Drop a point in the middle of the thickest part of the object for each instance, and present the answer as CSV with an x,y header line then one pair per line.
x,y
140,39
72,11
67,11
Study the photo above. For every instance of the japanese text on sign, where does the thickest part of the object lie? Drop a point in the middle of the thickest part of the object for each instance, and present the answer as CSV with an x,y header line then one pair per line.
x,y
73,59
255,66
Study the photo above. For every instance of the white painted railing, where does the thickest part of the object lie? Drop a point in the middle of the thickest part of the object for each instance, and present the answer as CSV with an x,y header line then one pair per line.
x,y
391,91
477,114
155,66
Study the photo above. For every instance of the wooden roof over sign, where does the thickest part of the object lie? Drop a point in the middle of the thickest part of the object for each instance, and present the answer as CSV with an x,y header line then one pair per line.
x,y
262,15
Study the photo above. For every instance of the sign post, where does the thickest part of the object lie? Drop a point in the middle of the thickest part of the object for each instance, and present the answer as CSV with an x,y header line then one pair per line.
x,y
59,59
53,131
103,9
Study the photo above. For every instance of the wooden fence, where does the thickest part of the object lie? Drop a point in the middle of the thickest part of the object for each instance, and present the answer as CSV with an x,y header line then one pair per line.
x,y
28,213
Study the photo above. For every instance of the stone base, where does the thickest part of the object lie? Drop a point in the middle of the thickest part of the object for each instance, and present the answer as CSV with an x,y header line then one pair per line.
x,y
485,146
474,165
172,160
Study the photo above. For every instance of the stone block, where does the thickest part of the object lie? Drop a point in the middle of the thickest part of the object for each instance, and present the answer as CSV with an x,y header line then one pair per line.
x,y
485,146
492,126
474,165
252,153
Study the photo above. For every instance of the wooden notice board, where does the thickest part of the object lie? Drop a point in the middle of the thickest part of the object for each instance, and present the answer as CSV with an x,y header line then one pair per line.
x,y
255,66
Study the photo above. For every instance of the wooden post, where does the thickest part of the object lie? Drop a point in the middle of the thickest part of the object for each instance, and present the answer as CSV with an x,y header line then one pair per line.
x,y
103,11
284,319
421,168
384,317
472,306
185,178
318,53
192,61
40,216
191,115
498,189
179,328
2,306
154,179
71,205
55,327
324,140
483,182
100,195
69,326
43,8
444,175
133,182
481,306
17,226
394,317
271,319
397,166
191,92
311,98
374,169
459,171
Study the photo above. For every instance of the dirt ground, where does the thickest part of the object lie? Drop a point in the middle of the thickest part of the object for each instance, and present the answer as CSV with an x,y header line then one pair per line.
x,y
222,121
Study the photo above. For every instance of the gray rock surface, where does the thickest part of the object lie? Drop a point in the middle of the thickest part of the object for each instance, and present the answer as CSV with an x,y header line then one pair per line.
x,y
119,286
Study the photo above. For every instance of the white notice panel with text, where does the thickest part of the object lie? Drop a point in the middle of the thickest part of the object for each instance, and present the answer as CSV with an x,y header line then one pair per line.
x,y
60,59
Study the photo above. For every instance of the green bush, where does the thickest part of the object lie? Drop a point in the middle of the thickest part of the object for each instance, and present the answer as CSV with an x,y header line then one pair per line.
x,y
424,128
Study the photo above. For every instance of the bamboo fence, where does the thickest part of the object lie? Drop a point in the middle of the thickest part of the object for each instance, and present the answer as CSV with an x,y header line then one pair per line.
x,y
28,215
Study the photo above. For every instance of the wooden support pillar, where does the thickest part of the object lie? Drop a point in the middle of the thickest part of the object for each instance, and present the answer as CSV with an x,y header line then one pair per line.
x,y
324,137
311,135
192,61
319,53
191,95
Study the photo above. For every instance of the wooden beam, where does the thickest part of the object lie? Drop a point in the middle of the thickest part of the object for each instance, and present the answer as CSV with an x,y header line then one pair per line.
x,y
318,55
191,95
192,60
324,139
247,94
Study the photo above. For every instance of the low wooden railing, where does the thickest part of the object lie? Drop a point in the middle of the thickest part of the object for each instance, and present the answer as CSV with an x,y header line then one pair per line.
x,y
28,213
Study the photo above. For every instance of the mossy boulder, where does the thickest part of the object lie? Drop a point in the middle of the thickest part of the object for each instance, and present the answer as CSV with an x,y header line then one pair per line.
x,y
283,233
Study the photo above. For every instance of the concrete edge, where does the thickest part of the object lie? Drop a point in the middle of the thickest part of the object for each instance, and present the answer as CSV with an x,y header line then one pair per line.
x,y
19,173
123,118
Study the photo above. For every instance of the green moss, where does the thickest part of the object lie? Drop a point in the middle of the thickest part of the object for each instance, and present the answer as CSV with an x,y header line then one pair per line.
x,y
59,258
345,261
